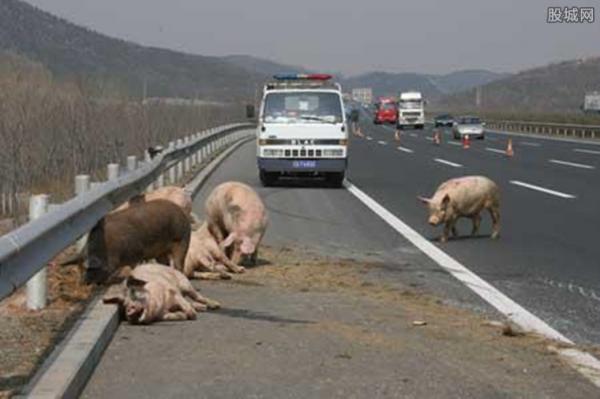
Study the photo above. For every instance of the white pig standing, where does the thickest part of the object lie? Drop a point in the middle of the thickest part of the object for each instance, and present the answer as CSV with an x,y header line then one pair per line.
x,y
154,292
467,197
205,259
237,218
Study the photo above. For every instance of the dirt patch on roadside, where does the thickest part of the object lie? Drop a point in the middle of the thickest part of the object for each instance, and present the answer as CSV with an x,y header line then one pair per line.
x,y
28,337
423,315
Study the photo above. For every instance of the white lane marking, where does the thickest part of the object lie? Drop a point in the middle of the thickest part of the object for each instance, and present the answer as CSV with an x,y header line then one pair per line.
x,y
455,165
542,189
583,362
573,164
529,143
495,150
429,138
454,143
413,135
369,138
382,142
587,151
408,150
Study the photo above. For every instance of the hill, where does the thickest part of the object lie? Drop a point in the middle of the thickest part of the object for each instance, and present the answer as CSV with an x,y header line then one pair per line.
x,y
555,88
262,66
67,50
432,86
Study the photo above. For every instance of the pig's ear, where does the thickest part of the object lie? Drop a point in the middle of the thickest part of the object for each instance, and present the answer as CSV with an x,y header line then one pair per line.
x,y
133,282
445,201
424,200
229,240
115,294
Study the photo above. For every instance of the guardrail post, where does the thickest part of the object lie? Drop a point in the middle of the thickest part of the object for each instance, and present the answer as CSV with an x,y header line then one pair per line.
x,y
37,286
179,164
186,159
112,171
131,163
82,184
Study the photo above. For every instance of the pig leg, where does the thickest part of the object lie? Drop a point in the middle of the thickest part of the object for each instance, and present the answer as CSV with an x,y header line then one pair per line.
x,y
232,265
207,276
178,253
476,224
196,297
174,316
185,306
495,214
446,232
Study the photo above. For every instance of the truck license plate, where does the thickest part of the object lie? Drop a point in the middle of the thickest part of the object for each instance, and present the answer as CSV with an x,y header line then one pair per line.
x,y
304,164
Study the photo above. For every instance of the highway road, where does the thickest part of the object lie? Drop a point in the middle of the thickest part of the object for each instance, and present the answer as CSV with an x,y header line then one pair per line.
x,y
220,354
548,256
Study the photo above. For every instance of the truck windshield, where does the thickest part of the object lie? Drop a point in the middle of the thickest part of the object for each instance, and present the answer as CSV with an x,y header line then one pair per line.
x,y
302,107
410,104
387,106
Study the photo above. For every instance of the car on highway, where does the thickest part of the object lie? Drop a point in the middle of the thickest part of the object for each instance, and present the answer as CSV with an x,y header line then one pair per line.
x,y
443,120
468,125
386,111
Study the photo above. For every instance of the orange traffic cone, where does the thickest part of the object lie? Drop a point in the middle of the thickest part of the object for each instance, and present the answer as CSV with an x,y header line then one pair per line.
x,y
436,137
509,148
466,142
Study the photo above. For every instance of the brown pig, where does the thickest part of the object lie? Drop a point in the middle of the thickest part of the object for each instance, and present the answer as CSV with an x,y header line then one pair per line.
x,y
467,197
156,229
154,292
205,258
177,195
237,218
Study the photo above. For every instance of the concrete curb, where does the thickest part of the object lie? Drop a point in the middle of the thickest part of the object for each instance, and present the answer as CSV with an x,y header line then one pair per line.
x,y
66,371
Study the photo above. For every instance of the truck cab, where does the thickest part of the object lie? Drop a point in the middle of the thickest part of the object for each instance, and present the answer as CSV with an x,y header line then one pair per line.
x,y
411,111
302,129
386,111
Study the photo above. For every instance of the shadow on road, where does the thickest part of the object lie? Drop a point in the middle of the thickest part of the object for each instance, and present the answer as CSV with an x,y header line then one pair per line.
x,y
251,315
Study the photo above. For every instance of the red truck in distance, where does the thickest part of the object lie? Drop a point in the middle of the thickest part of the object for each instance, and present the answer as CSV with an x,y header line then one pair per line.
x,y
386,111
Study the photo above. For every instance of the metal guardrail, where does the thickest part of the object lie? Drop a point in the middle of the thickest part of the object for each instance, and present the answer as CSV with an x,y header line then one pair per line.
x,y
551,129
26,250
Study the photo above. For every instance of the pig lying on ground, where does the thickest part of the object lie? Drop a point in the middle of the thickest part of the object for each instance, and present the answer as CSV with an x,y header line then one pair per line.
x,y
176,195
205,259
464,197
155,292
237,218
151,230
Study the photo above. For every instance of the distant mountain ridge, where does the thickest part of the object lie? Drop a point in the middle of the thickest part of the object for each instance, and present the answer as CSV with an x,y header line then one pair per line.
x,y
553,88
67,50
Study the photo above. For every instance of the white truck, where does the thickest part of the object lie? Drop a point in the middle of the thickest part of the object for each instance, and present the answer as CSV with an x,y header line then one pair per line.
x,y
302,129
411,111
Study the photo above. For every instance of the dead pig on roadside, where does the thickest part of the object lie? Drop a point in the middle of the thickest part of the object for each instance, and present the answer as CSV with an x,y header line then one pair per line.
x,y
155,292
466,197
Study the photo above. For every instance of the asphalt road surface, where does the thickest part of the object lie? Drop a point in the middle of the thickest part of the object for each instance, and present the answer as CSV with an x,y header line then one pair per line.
x,y
236,352
548,256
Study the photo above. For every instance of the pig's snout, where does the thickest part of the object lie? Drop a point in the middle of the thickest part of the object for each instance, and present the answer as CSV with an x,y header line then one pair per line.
x,y
134,311
434,220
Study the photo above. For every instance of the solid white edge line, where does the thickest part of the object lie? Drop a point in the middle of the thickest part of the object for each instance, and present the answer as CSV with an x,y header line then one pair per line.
x,y
495,150
542,137
407,150
586,151
583,362
542,189
573,164
455,165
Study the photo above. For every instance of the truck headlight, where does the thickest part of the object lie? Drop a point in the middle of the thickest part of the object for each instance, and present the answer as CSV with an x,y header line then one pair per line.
x,y
337,152
273,152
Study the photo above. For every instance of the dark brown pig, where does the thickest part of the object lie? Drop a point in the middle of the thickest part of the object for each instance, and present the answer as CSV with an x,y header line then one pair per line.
x,y
156,229
205,259
464,197
237,218
154,292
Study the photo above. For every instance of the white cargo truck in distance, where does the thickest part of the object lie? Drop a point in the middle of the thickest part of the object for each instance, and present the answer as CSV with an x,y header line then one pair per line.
x,y
302,129
411,111
591,102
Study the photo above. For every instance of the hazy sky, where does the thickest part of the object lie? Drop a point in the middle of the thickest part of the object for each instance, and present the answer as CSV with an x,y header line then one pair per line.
x,y
351,36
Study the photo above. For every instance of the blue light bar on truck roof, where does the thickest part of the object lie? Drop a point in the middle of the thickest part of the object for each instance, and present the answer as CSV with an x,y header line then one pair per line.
x,y
302,76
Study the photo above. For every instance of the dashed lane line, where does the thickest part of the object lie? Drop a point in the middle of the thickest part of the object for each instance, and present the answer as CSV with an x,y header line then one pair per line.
x,y
573,164
542,189
443,161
